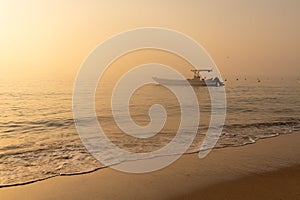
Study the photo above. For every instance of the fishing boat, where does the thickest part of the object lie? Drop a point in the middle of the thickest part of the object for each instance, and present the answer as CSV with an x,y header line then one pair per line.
x,y
197,80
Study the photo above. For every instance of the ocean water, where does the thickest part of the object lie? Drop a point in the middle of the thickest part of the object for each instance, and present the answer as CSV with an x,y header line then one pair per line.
x,y
38,138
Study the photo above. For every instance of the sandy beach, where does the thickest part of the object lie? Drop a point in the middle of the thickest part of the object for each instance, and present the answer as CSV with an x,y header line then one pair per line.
x,y
280,184
268,169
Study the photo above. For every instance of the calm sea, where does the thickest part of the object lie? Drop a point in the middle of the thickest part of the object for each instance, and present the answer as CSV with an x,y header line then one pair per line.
x,y
38,138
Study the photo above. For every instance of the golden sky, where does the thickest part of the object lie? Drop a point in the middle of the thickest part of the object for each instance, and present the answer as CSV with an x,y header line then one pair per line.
x,y
51,38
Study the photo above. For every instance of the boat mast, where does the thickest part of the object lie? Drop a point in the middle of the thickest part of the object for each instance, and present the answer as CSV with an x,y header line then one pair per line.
x,y
197,71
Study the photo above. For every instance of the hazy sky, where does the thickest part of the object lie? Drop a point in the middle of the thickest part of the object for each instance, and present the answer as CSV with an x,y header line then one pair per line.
x,y
51,38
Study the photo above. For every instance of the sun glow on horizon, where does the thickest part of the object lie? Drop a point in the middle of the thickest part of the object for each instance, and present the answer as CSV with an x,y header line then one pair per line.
x,y
52,38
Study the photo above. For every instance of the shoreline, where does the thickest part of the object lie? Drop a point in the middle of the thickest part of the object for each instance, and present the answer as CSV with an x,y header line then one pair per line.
x,y
184,177
104,167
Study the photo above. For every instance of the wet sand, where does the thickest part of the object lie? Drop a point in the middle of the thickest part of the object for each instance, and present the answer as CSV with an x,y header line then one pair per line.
x,y
265,170
280,184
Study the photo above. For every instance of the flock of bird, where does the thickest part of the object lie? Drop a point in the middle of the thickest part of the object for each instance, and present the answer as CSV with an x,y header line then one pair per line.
x,y
237,79
258,80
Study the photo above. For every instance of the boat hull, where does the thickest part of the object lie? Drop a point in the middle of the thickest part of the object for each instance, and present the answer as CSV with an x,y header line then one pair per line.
x,y
193,82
